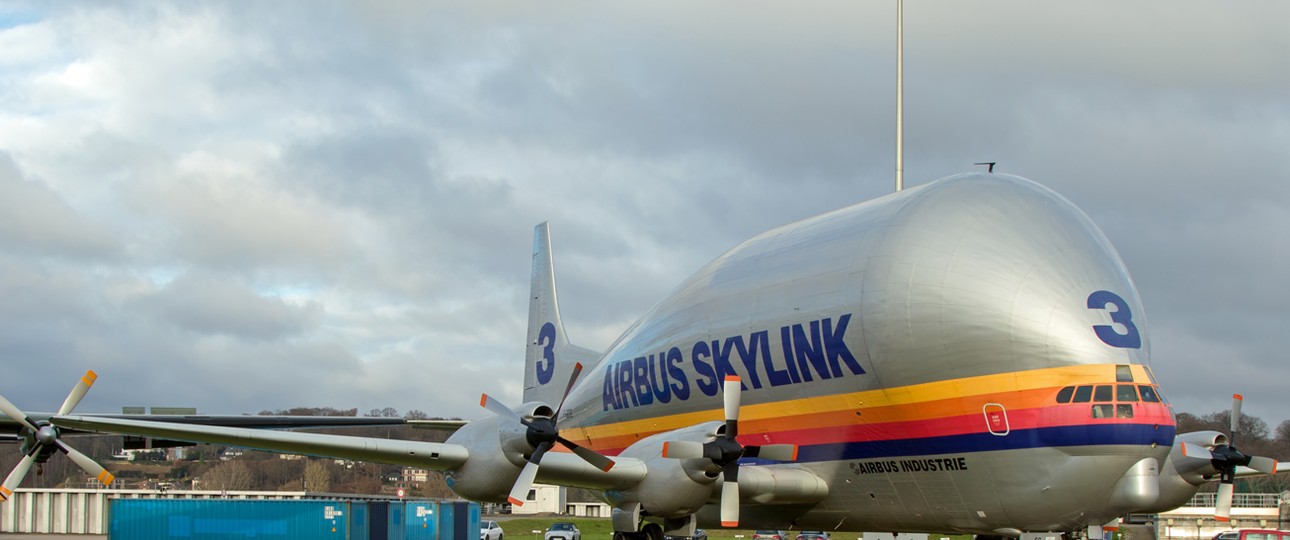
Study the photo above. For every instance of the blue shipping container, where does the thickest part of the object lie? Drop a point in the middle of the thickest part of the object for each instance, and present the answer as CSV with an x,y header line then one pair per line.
x,y
211,519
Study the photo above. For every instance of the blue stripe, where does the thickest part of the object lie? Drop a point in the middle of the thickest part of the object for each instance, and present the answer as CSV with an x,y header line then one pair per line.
x,y
1084,435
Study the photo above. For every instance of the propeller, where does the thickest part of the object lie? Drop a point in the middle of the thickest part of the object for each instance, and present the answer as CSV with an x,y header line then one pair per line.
x,y
1225,458
725,452
45,438
543,434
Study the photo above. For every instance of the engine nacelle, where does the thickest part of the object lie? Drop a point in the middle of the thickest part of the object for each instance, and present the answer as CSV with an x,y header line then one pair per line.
x,y
674,488
1196,470
1180,475
499,449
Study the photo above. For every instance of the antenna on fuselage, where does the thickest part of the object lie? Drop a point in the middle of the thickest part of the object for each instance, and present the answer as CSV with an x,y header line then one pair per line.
x,y
989,165
900,97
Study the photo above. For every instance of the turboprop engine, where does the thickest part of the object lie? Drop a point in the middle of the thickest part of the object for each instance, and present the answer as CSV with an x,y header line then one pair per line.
x,y
1201,456
685,466
498,451
506,449
674,487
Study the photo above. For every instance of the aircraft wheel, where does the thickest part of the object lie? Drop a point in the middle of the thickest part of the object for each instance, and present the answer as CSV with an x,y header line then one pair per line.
x,y
652,531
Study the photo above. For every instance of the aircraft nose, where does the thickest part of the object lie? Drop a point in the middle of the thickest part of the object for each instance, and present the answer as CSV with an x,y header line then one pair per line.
x,y
998,270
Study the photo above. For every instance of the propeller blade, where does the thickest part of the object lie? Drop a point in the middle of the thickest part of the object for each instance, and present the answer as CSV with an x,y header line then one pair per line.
x,y
729,504
730,397
15,413
15,478
78,392
498,408
1236,415
773,452
683,449
588,455
88,465
1223,506
525,481
1263,464
1196,451
573,378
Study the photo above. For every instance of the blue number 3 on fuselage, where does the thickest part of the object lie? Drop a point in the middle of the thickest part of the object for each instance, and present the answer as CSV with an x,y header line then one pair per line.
x,y
1130,339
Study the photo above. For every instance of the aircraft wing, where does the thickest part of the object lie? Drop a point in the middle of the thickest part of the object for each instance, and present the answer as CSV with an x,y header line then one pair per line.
x,y
8,426
438,456
443,425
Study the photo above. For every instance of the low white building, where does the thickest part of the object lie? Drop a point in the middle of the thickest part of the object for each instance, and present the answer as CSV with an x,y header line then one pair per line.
x,y
412,475
547,499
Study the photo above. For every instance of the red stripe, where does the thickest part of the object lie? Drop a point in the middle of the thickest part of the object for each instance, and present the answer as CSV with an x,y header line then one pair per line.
x,y
1065,415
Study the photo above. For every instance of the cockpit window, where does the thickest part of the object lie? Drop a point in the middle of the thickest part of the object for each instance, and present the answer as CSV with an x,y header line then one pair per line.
x,y
1103,411
1126,392
1149,394
1124,410
1103,393
1064,395
1123,374
1083,394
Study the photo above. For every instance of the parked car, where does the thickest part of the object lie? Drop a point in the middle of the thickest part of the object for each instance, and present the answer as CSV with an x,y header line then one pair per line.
x,y
763,534
1253,534
813,535
490,530
563,530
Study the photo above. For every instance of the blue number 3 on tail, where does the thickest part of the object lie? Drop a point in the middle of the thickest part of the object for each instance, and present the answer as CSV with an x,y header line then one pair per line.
x,y
546,366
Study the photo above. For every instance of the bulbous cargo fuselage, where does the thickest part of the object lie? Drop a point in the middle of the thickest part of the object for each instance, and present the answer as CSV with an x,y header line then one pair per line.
x,y
915,347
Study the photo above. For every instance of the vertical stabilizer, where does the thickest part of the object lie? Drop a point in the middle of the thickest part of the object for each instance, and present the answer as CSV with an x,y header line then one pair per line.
x,y
548,356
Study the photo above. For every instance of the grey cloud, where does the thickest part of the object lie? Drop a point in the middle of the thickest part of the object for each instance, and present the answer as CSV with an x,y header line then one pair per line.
x,y
35,219
214,305
387,163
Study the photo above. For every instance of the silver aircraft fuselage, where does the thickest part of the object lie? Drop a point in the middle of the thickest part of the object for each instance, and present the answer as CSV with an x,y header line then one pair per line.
x,y
968,355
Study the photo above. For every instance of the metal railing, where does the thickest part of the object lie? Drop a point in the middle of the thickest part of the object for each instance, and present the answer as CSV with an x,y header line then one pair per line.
x,y
1239,500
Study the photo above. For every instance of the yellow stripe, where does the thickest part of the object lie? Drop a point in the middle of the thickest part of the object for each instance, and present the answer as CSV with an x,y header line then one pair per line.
x,y
885,397
106,478
4,493
90,377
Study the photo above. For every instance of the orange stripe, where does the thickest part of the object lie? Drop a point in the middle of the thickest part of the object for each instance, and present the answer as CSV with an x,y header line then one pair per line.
x,y
938,399
5,493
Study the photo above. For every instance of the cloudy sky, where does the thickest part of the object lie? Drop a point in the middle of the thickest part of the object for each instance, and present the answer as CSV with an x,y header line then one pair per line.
x,y
241,206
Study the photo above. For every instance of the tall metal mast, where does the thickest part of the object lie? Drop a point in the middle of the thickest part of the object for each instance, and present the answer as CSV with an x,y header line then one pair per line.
x,y
900,97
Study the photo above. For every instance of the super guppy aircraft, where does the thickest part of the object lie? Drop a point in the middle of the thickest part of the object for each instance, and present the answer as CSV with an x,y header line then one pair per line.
x,y
969,355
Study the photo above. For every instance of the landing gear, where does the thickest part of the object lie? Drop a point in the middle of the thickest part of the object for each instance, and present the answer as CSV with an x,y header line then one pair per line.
x,y
652,531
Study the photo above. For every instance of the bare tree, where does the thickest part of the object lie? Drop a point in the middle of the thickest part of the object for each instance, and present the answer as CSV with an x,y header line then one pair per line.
x,y
231,475
317,477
